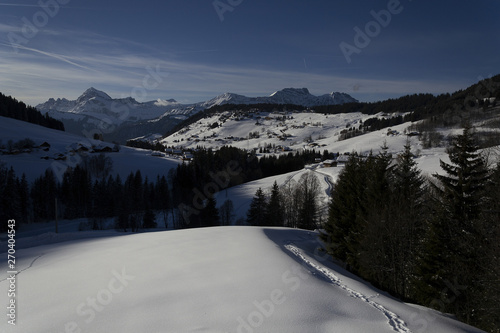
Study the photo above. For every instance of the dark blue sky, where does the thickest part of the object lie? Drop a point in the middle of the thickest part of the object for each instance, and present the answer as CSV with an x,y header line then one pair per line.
x,y
192,50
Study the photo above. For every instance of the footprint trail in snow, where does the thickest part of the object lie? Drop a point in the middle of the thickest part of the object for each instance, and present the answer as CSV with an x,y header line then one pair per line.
x,y
396,323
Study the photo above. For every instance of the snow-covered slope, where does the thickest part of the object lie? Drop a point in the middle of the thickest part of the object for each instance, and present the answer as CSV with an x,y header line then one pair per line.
x,y
61,153
229,279
295,130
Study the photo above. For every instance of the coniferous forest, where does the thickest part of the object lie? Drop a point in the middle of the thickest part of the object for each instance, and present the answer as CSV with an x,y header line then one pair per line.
x,y
89,190
431,240
11,108
84,194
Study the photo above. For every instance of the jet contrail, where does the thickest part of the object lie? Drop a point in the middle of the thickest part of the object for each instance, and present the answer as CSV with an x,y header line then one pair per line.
x,y
18,5
52,55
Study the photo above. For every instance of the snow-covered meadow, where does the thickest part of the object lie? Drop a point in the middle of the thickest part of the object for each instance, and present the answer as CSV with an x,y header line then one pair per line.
x,y
225,279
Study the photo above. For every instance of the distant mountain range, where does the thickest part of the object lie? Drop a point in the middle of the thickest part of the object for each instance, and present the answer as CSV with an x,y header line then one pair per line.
x,y
97,104
286,96
125,118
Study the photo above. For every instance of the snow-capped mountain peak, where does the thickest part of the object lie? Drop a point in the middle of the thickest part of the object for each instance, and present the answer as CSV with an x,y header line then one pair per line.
x,y
228,98
303,97
163,102
93,93
292,91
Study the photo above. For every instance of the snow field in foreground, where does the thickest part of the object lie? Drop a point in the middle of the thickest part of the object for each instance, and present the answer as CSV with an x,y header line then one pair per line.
x,y
226,279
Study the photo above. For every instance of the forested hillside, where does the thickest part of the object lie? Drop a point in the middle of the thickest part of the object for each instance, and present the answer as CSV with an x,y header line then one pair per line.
x,y
12,108
433,240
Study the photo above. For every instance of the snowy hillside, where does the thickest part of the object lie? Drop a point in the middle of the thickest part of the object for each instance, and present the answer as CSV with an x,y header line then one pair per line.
x,y
293,130
241,195
66,149
228,279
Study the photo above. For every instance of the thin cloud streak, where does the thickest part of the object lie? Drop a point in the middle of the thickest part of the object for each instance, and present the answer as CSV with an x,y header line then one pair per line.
x,y
49,54
18,5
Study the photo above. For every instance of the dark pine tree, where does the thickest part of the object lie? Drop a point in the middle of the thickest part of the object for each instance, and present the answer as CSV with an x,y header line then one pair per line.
x,y
8,197
210,214
490,316
453,256
256,215
122,221
24,199
274,208
43,195
376,253
134,199
341,227
149,219
162,199
76,192
407,220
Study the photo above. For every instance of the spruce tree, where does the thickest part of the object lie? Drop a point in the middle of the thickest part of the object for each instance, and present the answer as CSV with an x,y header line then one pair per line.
x,y
114,189
137,192
407,217
149,219
43,194
344,205
256,215
76,193
24,199
489,315
462,188
274,208
163,198
209,215
453,257
376,256
99,205
8,197
122,221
